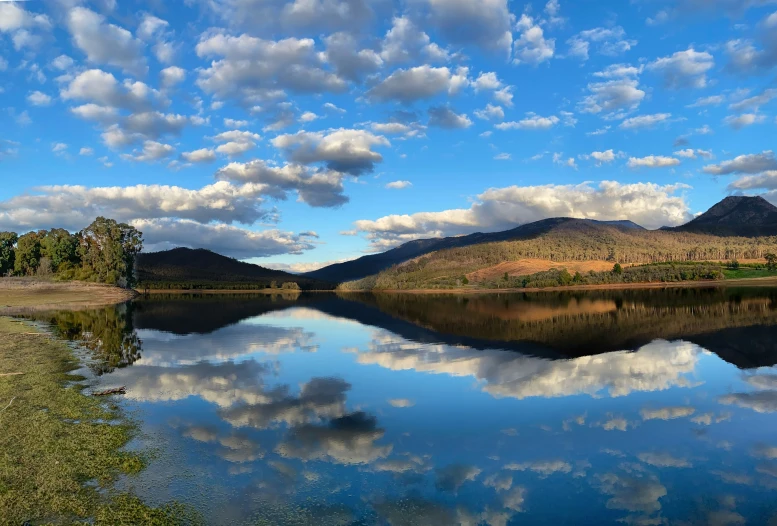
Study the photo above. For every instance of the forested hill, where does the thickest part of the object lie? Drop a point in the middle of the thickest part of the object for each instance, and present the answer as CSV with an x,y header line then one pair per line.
x,y
736,216
568,242
373,264
200,268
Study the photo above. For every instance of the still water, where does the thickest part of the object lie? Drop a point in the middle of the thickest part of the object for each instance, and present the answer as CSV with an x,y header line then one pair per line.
x,y
636,407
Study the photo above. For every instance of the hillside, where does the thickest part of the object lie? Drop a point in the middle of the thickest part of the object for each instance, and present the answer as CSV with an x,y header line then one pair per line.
x,y
373,264
200,268
736,216
571,240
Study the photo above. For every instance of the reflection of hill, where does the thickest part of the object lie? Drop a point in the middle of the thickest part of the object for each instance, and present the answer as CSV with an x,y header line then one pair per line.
x,y
205,313
721,320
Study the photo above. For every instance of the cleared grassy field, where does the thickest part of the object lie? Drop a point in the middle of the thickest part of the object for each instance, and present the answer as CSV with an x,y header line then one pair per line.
x,y
24,294
748,273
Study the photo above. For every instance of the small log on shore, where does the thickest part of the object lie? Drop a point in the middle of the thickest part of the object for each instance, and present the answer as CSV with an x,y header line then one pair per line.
x,y
10,374
116,390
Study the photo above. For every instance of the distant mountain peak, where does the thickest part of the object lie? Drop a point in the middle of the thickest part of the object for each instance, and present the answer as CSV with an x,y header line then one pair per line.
x,y
736,215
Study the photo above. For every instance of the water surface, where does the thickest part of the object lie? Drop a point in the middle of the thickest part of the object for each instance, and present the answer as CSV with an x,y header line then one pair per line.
x,y
636,407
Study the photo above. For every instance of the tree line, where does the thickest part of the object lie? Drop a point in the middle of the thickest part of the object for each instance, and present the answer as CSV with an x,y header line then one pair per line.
x,y
103,252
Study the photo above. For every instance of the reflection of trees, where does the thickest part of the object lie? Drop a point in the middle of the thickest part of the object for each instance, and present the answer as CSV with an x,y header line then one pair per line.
x,y
107,333
586,323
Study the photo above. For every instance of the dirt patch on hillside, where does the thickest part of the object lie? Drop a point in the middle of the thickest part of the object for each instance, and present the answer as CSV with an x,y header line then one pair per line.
x,y
524,267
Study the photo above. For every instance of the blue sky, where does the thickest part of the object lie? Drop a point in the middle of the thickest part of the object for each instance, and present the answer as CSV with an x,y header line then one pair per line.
x,y
308,131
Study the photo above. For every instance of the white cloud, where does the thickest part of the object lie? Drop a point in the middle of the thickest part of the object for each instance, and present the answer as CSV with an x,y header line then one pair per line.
x,y
203,155
647,204
223,239
444,117
746,57
504,96
684,69
308,116
105,43
398,185
644,121
86,151
532,47
754,103
485,23
745,164
152,151
73,207
405,42
172,76
766,180
601,158
236,142
607,41
613,95
342,150
531,122
38,98
490,112
100,87
653,161
316,188
744,120
618,71
59,147
503,157
487,81
712,100
419,83
350,62
252,69
331,107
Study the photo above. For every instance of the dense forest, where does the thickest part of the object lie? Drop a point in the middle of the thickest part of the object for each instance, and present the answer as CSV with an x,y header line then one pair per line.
x,y
103,252
570,241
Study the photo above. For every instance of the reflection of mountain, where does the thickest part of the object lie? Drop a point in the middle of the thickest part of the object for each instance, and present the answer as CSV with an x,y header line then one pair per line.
x,y
740,325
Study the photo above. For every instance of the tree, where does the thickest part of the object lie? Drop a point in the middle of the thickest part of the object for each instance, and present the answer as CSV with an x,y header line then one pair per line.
x,y
506,276
734,265
28,253
290,285
464,280
7,252
61,247
771,261
617,269
108,250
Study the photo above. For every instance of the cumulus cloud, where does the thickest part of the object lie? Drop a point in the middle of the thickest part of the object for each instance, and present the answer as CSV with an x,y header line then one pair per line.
x,y
532,47
484,23
545,468
341,150
350,62
38,98
236,142
632,493
606,41
613,95
203,155
101,88
744,164
601,158
490,112
747,57
754,103
151,151
653,161
644,121
444,117
712,100
667,413
684,69
224,239
172,76
316,188
648,204
405,42
252,69
398,185
531,122
452,477
74,207
105,43
418,83
744,120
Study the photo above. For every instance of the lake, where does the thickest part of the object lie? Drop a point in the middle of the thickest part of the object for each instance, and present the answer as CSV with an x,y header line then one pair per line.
x,y
636,407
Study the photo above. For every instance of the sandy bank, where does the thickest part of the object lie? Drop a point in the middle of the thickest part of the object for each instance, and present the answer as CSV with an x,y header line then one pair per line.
x,y
19,295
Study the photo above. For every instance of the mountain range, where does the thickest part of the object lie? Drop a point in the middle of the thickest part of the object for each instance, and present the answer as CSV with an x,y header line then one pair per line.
x,y
733,216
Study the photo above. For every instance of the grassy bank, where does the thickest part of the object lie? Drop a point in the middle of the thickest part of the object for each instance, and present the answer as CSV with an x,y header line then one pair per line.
x,y
20,294
61,449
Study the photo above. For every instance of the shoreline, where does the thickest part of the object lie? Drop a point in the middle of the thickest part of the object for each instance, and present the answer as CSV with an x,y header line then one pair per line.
x,y
21,295
767,281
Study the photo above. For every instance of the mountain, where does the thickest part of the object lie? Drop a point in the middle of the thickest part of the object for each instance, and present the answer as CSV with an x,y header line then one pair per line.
x,y
373,264
736,216
203,268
